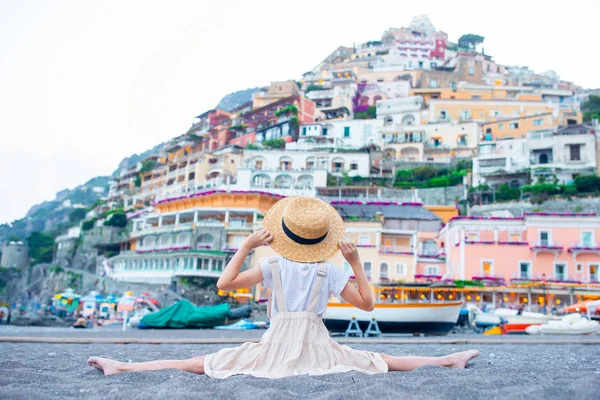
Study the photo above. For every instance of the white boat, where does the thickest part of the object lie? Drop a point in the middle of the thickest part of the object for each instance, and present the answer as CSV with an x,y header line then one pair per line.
x,y
572,324
426,318
485,319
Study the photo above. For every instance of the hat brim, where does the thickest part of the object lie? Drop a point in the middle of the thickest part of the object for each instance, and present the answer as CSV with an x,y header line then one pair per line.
x,y
291,250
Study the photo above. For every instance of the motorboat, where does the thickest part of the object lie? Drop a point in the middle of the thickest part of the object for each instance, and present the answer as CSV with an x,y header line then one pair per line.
x,y
411,318
571,324
512,321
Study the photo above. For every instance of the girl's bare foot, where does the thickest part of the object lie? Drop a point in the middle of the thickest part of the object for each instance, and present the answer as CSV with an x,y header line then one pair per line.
x,y
460,360
109,367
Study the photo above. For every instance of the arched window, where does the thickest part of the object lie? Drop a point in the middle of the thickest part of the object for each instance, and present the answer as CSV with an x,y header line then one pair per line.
x,y
384,270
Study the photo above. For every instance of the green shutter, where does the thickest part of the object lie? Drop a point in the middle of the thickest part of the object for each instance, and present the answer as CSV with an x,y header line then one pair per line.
x,y
346,131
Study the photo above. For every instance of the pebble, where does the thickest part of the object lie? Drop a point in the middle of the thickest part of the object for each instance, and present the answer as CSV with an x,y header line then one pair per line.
x,y
51,354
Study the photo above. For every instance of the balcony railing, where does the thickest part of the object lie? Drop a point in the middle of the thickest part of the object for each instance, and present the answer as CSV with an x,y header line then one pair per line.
x,y
590,247
546,245
403,250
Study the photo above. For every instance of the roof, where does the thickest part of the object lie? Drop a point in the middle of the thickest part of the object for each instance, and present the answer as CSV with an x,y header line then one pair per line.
x,y
389,211
579,129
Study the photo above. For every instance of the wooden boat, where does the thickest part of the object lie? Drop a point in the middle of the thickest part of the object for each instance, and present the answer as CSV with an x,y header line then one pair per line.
x,y
426,318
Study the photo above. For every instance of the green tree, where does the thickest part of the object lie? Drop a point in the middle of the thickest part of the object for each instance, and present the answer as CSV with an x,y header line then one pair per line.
x,y
470,41
41,247
117,219
147,166
591,108
274,143
89,224
77,214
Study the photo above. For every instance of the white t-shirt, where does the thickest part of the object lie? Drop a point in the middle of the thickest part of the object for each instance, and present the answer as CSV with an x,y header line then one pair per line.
x,y
297,281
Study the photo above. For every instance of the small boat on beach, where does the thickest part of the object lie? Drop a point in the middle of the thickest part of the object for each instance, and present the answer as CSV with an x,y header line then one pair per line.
x,y
572,324
511,320
412,318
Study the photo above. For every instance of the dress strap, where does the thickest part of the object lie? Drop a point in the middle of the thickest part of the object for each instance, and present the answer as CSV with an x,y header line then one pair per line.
x,y
316,291
277,287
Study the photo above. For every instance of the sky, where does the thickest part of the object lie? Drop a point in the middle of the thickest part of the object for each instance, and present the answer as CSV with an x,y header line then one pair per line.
x,y
84,83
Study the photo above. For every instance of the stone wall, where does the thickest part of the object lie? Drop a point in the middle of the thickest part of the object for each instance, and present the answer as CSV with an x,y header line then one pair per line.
x,y
591,205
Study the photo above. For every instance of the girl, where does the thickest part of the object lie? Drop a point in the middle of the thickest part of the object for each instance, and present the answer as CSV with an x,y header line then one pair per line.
x,y
305,231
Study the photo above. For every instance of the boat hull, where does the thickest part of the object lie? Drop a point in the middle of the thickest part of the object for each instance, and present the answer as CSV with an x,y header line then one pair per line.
x,y
434,319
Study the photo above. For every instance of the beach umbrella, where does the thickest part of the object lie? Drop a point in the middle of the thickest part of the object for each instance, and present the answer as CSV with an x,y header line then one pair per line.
x,y
68,294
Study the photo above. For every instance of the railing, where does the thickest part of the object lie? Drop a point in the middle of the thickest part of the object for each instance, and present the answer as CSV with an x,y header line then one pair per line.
x,y
541,245
590,246
396,250
215,166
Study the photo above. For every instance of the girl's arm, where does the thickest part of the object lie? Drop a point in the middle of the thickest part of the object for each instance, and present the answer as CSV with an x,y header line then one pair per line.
x,y
363,297
231,278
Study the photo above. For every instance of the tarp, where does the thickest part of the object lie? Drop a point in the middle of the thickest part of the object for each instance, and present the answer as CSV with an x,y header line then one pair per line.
x,y
184,314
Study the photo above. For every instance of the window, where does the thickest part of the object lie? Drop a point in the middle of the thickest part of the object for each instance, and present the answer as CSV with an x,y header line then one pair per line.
x,y
465,115
487,268
400,269
432,270
433,83
545,238
471,70
367,131
303,131
514,237
346,131
353,166
324,131
475,97
347,266
367,267
538,122
593,272
575,152
443,115
473,236
192,175
364,240
587,238
430,247
560,271
579,268
495,113
500,127
513,125
383,270
524,270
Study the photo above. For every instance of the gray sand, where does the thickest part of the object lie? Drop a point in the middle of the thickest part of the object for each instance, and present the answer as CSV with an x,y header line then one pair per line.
x,y
53,371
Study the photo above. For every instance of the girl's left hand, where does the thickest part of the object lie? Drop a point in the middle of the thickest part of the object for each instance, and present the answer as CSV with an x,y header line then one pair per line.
x,y
258,238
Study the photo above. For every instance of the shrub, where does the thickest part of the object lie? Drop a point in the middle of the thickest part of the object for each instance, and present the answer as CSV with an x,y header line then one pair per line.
x,y
438,182
506,193
118,220
587,183
274,143
89,224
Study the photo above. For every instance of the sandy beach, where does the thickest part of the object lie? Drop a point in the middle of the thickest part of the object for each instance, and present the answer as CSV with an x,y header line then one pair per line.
x,y
508,371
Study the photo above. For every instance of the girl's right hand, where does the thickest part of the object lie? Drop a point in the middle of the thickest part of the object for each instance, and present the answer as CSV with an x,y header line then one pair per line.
x,y
258,238
350,253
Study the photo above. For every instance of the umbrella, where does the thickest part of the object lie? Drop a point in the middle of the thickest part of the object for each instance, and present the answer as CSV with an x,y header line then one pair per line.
x,y
68,294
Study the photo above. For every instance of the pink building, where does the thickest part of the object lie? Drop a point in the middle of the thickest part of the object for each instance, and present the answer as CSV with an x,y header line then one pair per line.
x,y
539,246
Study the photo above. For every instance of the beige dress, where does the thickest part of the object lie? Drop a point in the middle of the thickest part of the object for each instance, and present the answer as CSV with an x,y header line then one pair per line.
x,y
297,343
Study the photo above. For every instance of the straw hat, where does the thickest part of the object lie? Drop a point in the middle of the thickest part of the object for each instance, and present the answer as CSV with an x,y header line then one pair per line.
x,y
304,229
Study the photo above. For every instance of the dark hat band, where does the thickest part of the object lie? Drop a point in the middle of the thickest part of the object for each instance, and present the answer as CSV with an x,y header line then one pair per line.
x,y
299,239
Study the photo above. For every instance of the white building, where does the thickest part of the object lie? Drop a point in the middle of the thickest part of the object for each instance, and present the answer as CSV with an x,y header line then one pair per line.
x,y
566,153
283,170
400,111
349,134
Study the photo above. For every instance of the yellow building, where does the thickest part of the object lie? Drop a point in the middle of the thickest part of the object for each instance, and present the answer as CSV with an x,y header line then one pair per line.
x,y
516,127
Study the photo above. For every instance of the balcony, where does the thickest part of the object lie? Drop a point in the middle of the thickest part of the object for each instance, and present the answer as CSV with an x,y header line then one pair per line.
x,y
398,250
588,247
545,246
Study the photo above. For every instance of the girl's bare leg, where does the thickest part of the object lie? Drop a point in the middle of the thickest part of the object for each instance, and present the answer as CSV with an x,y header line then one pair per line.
x,y
110,367
456,360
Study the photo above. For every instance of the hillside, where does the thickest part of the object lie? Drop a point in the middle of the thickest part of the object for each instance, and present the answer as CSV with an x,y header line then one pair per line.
x,y
236,99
